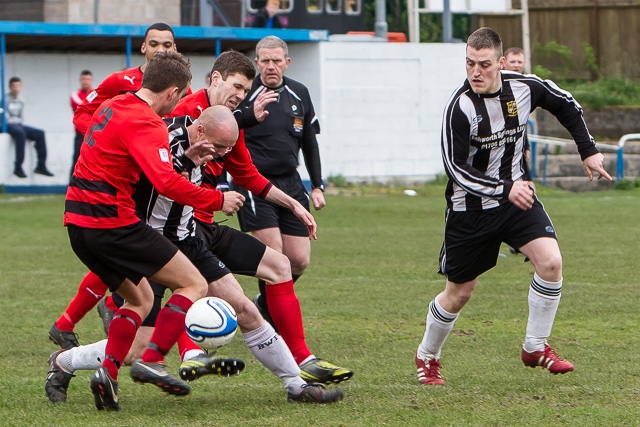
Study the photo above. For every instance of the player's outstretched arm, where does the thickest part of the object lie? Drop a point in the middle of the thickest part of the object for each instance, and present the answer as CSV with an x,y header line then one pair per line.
x,y
308,220
595,163
279,197
262,100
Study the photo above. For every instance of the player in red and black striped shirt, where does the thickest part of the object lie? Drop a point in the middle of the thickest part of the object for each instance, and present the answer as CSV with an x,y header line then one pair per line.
x,y
158,37
127,137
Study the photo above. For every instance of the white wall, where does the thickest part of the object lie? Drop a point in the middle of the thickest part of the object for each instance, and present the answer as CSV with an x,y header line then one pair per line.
x,y
379,104
48,80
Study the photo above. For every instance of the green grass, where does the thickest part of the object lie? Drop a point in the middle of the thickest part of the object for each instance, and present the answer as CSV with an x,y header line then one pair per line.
x,y
364,297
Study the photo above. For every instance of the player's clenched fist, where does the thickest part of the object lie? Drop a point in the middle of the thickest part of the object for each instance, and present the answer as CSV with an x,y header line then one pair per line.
x,y
232,202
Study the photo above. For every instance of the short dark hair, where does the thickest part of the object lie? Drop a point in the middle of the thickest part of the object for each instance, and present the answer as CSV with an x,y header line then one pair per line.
x,y
513,51
160,26
166,69
485,38
233,62
86,73
13,80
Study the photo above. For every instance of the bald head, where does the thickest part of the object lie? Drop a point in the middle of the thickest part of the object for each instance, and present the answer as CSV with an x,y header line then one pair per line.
x,y
220,126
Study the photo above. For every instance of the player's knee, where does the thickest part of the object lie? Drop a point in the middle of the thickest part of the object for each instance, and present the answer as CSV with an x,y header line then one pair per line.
x,y
456,295
249,317
195,288
145,307
280,267
201,289
550,268
299,265
463,297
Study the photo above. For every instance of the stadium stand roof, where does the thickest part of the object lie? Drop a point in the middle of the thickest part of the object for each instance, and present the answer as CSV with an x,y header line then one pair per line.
x,y
17,36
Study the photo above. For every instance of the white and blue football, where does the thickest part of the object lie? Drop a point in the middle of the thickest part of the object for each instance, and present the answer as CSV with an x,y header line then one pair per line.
x,y
211,322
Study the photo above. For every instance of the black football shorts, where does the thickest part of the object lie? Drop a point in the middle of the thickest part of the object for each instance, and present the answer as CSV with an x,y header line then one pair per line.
x,y
472,239
258,214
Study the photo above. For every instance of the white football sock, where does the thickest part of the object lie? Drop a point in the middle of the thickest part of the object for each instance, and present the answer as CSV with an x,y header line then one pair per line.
x,y
439,326
544,298
311,357
86,357
269,348
188,355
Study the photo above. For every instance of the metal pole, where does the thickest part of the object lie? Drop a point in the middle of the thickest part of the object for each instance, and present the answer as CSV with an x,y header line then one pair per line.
x,y
3,52
526,36
96,11
447,33
381,26
414,20
128,49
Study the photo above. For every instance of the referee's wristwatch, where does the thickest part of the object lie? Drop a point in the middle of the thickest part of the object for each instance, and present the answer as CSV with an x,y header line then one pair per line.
x,y
320,187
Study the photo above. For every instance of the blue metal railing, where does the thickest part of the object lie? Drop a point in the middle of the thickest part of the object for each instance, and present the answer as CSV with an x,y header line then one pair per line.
x,y
547,141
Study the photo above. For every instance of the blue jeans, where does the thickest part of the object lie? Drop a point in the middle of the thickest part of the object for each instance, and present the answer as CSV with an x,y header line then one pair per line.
x,y
20,134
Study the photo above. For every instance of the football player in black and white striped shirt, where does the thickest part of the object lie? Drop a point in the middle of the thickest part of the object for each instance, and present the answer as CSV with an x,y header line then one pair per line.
x,y
490,202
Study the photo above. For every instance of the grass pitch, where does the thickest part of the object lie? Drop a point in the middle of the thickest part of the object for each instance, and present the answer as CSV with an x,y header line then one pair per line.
x,y
364,298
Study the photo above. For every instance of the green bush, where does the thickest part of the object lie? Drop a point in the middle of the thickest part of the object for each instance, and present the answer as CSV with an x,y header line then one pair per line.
x,y
338,181
603,93
596,93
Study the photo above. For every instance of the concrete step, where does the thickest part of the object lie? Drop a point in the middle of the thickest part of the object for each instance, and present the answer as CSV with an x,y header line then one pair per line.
x,y
576,183
571,165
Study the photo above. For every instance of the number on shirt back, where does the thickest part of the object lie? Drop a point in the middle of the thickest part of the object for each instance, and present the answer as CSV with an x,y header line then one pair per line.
x,y
106,114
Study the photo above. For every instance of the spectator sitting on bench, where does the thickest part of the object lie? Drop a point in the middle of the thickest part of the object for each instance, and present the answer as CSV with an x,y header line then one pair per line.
x,y
20,132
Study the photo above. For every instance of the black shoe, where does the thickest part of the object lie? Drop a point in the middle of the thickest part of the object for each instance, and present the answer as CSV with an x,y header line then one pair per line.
x,y
17,171
105,390
320,371
156,373
64,339
317,393
57,380
42,170
205,364
105,314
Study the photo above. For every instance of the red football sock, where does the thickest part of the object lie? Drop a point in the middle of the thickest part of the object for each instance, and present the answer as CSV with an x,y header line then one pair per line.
x,y
185,344
90,292
122,332
285,311
169,327
108,301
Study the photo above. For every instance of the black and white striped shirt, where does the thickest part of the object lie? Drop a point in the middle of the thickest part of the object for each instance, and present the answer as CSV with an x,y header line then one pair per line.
x,y
483,137
173,220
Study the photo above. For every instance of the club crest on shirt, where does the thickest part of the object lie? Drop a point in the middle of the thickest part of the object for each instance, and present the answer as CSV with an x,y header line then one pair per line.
x,y
512,108
297,124
164,155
